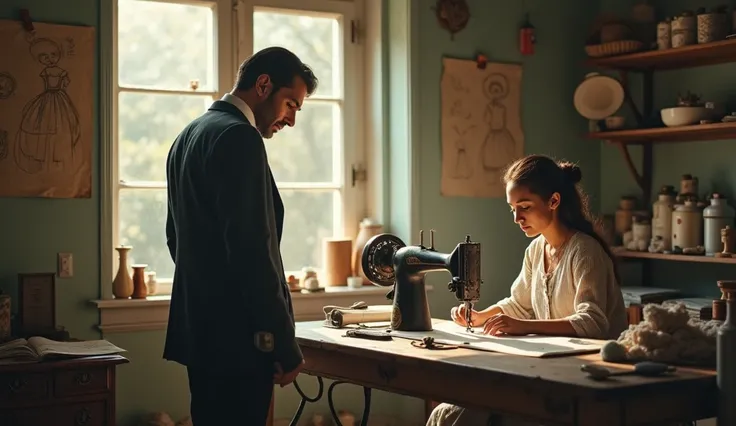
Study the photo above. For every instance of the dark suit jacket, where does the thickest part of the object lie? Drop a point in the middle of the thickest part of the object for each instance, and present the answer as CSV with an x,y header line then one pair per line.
x,y
230,307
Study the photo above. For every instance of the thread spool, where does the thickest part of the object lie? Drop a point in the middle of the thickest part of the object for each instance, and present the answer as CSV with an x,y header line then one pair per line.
x,y
338,253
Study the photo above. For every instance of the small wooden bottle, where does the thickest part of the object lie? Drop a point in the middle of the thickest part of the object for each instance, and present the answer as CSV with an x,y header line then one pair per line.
x,y
726,358
140,291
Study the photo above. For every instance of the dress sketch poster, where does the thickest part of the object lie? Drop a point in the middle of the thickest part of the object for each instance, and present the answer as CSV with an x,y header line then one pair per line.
x,y
46,99
481,126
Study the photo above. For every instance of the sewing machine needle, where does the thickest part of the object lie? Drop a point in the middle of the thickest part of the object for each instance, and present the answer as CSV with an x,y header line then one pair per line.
x,y
468,316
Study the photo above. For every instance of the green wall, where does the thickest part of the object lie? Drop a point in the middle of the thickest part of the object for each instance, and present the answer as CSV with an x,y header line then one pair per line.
x,y
711,162
551,126
35,230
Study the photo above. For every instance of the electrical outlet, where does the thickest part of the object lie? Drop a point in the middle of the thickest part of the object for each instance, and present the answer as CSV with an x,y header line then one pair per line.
x,y
66,265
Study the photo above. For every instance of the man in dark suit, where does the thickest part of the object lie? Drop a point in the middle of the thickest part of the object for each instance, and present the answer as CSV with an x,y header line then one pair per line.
x,y
231,320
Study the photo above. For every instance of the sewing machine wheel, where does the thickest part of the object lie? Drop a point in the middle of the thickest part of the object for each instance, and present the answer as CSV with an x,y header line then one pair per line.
x,y
378,258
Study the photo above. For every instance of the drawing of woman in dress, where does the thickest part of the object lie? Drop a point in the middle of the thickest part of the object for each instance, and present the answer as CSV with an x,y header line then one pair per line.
x,y
49,129
499,147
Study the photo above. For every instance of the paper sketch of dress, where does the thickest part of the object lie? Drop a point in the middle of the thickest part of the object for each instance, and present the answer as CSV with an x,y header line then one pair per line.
x,y
463,166
499,146
49,129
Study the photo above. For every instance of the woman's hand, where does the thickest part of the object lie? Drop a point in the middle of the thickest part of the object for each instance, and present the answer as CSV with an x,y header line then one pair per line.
x,y
458,316
504,324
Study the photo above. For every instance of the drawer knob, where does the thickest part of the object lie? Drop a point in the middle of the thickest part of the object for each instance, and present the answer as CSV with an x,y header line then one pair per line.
x,y
83,378
83,417
16,384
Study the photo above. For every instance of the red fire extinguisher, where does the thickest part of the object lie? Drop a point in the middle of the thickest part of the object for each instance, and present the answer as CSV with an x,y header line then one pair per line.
x,y
527,37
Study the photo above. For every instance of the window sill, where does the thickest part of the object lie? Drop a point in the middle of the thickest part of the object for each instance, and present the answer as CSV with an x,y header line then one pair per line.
x,y
152,313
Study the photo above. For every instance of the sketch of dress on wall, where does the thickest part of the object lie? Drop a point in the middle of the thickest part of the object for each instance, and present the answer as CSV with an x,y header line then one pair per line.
x,y
49,129
463,166
499,146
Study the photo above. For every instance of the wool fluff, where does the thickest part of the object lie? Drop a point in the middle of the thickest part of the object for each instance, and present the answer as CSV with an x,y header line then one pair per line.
x,y
667,334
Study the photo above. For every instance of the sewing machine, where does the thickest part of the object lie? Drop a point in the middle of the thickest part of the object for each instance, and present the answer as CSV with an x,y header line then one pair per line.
x,y
387,261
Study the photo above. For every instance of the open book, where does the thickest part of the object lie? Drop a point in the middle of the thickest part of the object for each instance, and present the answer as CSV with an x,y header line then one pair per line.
x,y
40,348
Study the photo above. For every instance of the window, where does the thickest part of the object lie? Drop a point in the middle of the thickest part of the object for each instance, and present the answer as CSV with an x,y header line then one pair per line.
x,y
313,163
172,59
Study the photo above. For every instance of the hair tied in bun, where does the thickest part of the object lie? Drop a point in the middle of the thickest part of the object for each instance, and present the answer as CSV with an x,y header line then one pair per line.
x,y
571,171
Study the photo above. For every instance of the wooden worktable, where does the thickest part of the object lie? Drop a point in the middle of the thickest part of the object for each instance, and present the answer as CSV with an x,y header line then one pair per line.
x,y
549,390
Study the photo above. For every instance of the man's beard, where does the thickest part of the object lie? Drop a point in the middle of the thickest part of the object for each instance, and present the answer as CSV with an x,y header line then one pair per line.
x,y
265,116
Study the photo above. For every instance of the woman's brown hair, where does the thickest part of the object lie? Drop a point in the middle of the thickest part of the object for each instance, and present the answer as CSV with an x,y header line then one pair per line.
x,y
543,176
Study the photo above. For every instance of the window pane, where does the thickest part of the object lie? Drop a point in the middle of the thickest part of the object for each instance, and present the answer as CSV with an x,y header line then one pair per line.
x,y
165,45
142,220
304,153
147,126
308,218
314,39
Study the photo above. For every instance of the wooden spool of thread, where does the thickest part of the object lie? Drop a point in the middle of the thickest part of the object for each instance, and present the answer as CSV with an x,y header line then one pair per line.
x,y
338,253
719,305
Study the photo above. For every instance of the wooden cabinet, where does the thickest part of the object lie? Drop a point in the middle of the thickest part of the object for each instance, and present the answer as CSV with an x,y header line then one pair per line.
x,y
74,392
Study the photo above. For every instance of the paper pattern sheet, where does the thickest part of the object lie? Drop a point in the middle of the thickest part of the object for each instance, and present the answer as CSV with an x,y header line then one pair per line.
x,y
532,346
46,99
481,126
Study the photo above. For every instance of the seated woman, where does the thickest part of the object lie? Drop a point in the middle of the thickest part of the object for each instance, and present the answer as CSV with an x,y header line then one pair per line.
x,y
568,284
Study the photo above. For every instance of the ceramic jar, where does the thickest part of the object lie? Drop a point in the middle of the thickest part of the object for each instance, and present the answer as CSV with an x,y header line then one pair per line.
x,y
684,30
151,283
687,226
664,36
662,216
641,232
624,215
716,216
712,26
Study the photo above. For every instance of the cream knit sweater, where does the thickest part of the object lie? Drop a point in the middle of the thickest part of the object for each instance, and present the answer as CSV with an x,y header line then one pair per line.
x,y
582,289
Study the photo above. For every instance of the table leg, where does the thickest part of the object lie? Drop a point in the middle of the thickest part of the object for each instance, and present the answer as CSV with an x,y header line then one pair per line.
x,y
320,391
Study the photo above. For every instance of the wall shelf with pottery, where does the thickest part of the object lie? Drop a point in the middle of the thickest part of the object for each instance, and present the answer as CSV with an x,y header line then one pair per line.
x,y
674,257
695,55
693,133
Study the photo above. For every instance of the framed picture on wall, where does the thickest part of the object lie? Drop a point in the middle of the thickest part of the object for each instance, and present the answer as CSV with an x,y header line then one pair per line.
x,y
37,302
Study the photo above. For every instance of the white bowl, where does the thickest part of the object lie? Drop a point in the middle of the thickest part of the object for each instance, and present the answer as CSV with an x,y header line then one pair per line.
x,y
684,116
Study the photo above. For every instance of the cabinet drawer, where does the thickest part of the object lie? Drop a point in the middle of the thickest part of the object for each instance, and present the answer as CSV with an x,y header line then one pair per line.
x,y
81,414
26,386
81,381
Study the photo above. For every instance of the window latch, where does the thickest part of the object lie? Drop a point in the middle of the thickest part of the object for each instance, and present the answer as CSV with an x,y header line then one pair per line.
x,y
358,174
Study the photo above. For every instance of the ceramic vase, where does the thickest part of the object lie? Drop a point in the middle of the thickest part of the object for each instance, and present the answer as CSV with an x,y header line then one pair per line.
x,y
122,285
139,281
368,229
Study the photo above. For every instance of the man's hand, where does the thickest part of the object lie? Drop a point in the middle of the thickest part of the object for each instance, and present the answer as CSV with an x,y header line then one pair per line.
x,y
284,379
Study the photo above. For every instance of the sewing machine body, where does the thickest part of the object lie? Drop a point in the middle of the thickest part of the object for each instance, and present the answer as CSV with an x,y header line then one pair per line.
x,y
387,261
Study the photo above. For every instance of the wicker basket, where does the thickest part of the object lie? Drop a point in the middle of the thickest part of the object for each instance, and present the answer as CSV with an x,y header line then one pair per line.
x,y
613,48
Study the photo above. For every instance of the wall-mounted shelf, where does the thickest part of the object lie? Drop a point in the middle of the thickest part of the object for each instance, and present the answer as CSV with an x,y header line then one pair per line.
x,y
719,52
698,132
674,257
697,55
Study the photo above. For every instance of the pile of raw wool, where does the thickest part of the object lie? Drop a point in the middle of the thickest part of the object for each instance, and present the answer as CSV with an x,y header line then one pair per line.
x,y
667,334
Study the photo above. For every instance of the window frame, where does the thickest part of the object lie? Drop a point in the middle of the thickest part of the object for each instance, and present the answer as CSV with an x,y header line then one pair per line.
x,y
351,98
224,75
355,101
